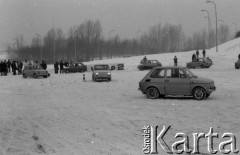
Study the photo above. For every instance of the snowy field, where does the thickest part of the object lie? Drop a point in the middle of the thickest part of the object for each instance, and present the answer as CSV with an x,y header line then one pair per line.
x,y
63,115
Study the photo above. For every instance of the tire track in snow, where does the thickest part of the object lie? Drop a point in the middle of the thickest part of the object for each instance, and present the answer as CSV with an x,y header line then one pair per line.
x,y
65,143
11,138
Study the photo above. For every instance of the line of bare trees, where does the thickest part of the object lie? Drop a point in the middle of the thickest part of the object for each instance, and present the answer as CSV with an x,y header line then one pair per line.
x,y
85,42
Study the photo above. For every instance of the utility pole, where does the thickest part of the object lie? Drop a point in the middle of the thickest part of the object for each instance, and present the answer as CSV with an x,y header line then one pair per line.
x,y
209,27
208,1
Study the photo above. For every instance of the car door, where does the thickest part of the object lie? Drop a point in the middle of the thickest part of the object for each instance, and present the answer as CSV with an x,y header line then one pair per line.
x,y
148,65
28,71
176,82
154,63
156,79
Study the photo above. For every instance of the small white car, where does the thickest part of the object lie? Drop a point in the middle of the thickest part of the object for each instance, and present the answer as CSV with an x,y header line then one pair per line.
x,y
101,72
34,71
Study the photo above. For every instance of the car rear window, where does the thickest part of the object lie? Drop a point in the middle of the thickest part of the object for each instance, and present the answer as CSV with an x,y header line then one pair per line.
x,y
158,73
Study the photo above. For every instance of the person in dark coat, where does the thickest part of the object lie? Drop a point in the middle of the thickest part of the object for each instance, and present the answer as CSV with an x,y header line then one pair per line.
x,y
194,57
56,68
144,59
204,53
44,64
9,65
14,67
4,68
20,67
197,53
1,67
61,66
238,56
175,60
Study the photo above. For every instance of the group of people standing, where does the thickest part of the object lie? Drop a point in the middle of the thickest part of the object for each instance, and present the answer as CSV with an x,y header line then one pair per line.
x,y
60,65
43,64
195,56
16,67
8,67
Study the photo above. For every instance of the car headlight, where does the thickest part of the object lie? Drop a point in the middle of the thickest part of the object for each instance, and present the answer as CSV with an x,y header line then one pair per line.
x,y
96,73
211,84
109,73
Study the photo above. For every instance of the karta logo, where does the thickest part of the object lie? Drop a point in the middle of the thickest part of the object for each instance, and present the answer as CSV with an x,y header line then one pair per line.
x,y
153,139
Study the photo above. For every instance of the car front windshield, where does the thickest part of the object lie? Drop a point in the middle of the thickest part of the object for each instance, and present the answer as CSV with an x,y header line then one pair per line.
x,y
37,67
189,73
101,67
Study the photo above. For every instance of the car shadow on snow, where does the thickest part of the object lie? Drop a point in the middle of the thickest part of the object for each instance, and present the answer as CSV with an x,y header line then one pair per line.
x,y
177,97
183,98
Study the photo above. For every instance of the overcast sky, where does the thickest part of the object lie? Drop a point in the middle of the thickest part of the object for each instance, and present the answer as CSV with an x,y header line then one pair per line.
x,y
28,17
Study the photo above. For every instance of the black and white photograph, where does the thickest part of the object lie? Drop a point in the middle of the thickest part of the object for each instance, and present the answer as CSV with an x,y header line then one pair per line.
x,y
119,77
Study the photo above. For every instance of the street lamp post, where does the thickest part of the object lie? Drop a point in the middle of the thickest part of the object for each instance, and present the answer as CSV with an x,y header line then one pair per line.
x,y
208,1
208,27
40,44
221,29
109,40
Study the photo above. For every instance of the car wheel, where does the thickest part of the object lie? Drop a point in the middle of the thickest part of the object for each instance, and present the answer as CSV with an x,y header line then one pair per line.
x,y
152,93
45,76
199,93
207,95
24,75
161,96
35,76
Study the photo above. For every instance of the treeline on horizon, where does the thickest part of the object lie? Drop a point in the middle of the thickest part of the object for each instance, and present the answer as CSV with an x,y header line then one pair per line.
x,y
85,42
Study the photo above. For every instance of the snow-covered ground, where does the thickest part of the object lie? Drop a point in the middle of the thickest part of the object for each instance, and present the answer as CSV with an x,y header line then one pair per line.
x,y
63,115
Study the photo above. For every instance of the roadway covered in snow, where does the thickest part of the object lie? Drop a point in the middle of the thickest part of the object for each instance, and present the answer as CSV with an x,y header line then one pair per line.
x,y
64,115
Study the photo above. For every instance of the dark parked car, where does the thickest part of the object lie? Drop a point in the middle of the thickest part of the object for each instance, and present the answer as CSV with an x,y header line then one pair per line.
x,y
200,63
77,67
34,71
149,64
174,80
237,64
101,72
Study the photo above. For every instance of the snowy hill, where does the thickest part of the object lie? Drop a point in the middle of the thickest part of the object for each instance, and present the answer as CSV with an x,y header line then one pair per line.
x,y
63,115
228,50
